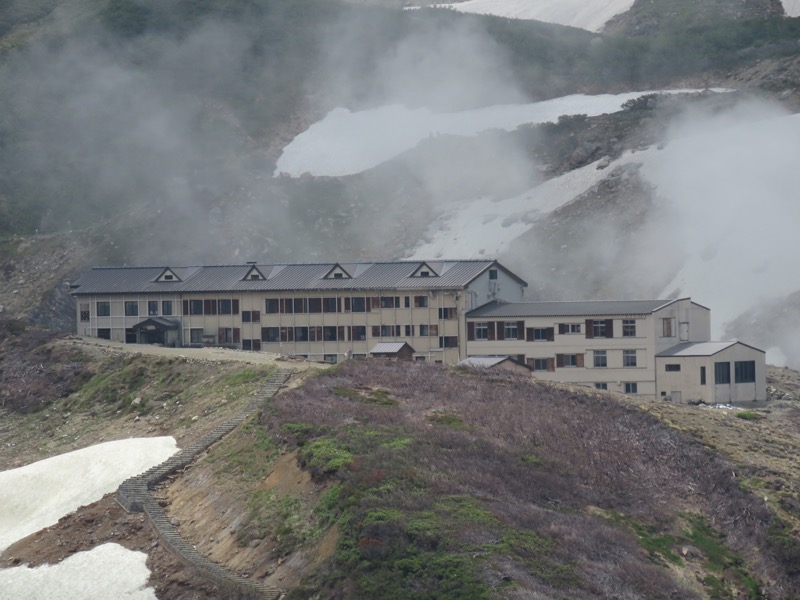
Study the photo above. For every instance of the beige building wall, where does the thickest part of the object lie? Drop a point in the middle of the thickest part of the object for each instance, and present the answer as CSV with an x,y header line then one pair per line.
x,y
680,378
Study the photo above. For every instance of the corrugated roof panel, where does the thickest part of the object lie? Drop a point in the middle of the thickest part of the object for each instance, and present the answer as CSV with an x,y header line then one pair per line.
x,y
696,349
283,277
387,347
568,309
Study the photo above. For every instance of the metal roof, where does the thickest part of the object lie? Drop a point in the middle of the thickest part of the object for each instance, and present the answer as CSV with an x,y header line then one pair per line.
x,y
700,349
483,362
589,308
388,347
284,277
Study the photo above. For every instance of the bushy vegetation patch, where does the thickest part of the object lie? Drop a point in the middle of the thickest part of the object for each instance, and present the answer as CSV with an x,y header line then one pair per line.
x,y
518,497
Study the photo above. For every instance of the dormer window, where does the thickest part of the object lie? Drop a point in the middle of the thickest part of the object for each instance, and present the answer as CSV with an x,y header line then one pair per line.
x,y
168,275
337,272
254,274
424,270
492,273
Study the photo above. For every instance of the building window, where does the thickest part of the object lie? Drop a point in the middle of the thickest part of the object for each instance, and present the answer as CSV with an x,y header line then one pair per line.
x,y
631,387
152,307
629,358
300,305
702,375
247,344
387,330
131,308
358,333
329,358
448,341
196,335
359,304
270,334
271,306
166,308
628,328
407,301
672,368
447,313
744,371
420,302
251,316
666,327
492,274
423,330
569,328
601,386
390,302
481,331
315,305
570,360
195,307
510,330
722,373
225,306
600,359
541,334
85,312
228,335
301,334
599,328
409,330
104,333
540,364
104,309
329,305
329,334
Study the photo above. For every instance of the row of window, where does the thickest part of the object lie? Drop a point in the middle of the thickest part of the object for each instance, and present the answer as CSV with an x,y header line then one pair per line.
x,y
516,330
333,333
630,387
230,306
744,371
349,304
577,360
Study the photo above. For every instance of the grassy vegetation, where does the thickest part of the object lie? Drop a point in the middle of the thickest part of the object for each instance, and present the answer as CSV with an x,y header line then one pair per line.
x,y
534,491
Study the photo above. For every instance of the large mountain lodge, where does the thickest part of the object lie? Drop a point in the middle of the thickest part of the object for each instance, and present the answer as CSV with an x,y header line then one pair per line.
x,y
441,311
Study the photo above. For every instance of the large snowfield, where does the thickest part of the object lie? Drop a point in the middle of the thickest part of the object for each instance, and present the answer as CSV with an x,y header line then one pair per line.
x,y
709,177
583,14
38,495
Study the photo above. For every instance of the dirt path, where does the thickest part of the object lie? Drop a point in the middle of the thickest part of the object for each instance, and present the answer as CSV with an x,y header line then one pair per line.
x,y
207,353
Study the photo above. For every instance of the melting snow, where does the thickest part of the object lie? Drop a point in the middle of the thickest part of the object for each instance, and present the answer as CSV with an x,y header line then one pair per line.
x,y
346,142
108,571
585,14
38,495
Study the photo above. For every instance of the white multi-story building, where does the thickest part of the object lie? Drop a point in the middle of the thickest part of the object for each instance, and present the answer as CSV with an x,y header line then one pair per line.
x,y
320,311
655,348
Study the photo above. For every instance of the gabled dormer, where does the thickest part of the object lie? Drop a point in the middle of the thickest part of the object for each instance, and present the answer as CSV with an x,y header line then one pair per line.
x,y
337,272
424,270
168,276
253,274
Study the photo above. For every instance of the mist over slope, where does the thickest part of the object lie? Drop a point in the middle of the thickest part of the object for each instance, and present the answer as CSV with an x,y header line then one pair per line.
x,y
154,131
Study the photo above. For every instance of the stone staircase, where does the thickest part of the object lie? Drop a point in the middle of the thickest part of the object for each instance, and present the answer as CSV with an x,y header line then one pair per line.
x,y
135,495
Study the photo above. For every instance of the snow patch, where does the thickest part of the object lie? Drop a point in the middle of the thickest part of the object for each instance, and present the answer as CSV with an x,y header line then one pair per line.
x,y
584,14
107,571
346,142
792,8
38,495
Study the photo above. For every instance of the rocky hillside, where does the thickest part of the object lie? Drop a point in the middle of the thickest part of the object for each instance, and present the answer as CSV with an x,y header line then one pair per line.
x,y
374,477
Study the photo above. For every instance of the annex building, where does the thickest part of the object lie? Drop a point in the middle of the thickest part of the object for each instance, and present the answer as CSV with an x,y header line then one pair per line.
x,y
440,311
320,311
655,348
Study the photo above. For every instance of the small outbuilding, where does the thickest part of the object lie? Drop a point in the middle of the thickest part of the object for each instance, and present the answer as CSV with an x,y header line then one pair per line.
x,y
712,372
505,363
393,350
